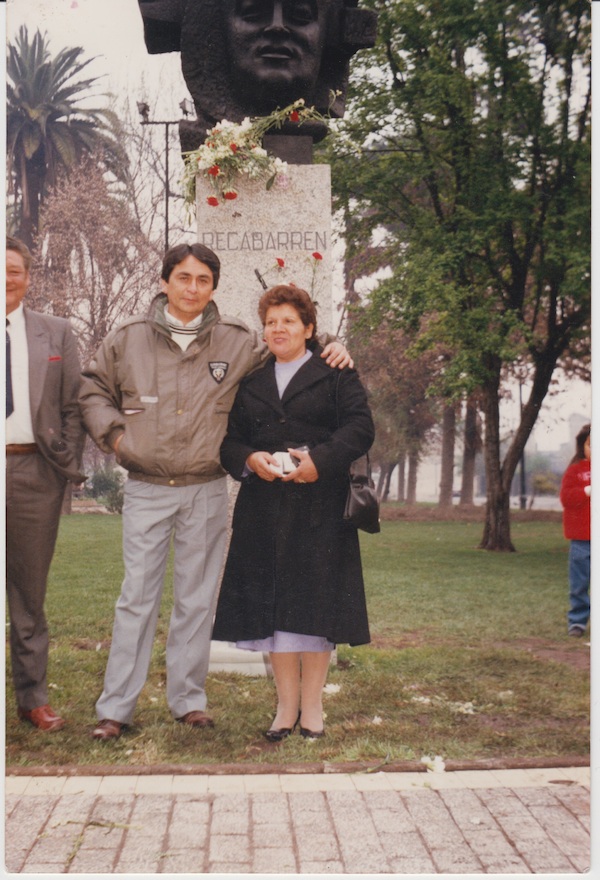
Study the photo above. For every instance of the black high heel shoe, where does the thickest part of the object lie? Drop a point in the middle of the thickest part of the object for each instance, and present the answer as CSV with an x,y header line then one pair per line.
x,y
282,732
311,734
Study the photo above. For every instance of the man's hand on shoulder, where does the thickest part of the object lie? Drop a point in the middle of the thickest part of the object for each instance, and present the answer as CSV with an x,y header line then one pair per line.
x,y
336,355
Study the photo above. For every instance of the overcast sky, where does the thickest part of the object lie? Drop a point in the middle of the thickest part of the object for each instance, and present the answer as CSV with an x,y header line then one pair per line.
x,y
112,31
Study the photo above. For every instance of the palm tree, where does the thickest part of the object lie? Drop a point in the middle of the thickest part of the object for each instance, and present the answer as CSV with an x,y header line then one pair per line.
x,y
47,129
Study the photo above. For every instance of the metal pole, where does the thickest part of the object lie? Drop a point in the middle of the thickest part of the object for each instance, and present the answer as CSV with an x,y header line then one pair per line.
x,y
166,123
523,497
166,186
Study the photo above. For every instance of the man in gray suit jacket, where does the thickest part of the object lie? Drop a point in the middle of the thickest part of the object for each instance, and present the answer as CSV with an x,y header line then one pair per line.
x,y
44,442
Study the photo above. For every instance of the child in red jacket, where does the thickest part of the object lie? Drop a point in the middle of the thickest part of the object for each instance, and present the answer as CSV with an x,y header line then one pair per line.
x,y
575,494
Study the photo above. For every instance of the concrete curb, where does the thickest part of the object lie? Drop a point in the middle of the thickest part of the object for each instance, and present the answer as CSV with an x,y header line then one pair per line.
x,y
316,767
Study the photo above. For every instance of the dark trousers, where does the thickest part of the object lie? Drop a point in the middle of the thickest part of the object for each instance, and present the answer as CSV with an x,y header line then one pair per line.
x,y
34,494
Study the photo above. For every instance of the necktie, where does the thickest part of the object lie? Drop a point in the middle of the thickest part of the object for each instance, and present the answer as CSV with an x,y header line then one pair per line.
x,y
9,389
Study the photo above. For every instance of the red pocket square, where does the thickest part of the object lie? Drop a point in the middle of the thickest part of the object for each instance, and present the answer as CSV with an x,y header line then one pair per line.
x,y
55,357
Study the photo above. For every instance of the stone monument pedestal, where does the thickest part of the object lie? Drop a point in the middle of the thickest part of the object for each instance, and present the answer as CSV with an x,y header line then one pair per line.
x,y
290,222
261,228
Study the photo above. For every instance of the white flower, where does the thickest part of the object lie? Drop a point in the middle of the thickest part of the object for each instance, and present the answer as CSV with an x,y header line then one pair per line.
x,y
434,765
377,719
332,689
463,708
232,149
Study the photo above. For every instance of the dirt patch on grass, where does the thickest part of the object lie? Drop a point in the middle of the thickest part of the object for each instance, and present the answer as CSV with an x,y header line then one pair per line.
x,y
577,656
420,513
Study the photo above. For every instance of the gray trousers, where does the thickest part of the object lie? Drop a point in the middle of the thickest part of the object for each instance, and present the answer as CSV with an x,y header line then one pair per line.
x,y
34,494
196,518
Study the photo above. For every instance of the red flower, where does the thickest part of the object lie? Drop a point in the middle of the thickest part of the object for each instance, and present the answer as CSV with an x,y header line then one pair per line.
x,y
214,170
231,194
234,148
212,201
294,116
280,262
317,255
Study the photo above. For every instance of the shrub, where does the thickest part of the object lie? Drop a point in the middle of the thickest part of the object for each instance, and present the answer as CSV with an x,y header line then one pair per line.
x,y
106,485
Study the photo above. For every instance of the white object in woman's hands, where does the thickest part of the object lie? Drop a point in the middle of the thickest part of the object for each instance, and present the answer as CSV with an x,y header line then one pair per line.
x,y
285,463
587,490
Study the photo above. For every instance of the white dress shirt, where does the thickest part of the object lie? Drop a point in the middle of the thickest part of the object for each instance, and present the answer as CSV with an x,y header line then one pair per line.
x,y
19,427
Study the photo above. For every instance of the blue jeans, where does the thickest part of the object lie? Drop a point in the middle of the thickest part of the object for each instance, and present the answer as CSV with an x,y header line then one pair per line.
x,y
579,583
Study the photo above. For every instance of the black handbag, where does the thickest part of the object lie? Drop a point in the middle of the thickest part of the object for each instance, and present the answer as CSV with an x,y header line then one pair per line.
x,y
362,502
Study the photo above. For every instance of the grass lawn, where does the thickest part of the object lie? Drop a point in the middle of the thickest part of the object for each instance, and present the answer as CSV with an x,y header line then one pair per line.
x,y
469,660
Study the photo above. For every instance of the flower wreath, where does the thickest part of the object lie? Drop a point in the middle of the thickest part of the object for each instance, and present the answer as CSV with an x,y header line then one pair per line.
x,y
232,149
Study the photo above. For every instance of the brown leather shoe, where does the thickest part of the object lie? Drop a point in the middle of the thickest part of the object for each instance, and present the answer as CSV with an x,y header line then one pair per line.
x,y
42,717
107,729
197,718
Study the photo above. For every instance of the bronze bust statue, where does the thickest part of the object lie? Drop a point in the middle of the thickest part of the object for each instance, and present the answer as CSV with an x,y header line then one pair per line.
x,y
247,57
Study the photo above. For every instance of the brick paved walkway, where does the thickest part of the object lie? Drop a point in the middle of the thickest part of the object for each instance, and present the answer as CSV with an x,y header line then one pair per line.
x,y
475,822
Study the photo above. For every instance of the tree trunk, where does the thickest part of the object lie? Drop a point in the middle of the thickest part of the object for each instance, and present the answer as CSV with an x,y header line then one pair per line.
x,y
383,484
448,440
472,445
496,532
31,181
413,466
499,475
402,478
388,480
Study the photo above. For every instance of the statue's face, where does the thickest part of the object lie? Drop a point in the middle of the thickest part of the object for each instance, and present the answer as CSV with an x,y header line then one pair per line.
x,y
275,47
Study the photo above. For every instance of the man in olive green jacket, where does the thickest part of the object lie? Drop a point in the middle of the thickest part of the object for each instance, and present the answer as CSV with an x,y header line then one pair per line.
x,y
158,394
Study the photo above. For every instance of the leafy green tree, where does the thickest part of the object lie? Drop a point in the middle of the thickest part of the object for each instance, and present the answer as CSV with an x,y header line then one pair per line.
x,y
49,126
467,152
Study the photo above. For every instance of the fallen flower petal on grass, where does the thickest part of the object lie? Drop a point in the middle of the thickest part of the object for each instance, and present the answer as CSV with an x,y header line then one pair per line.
x,y
463,708
434,765
332,689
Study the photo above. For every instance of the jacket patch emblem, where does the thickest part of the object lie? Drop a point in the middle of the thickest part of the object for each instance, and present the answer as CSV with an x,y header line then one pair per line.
x,y
218,370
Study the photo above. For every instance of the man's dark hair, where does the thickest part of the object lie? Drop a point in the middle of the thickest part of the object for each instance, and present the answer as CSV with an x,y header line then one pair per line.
x,y
13,244
177,254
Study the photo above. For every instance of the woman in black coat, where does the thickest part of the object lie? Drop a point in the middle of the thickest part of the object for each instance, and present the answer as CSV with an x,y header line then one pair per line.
x,y
293,581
